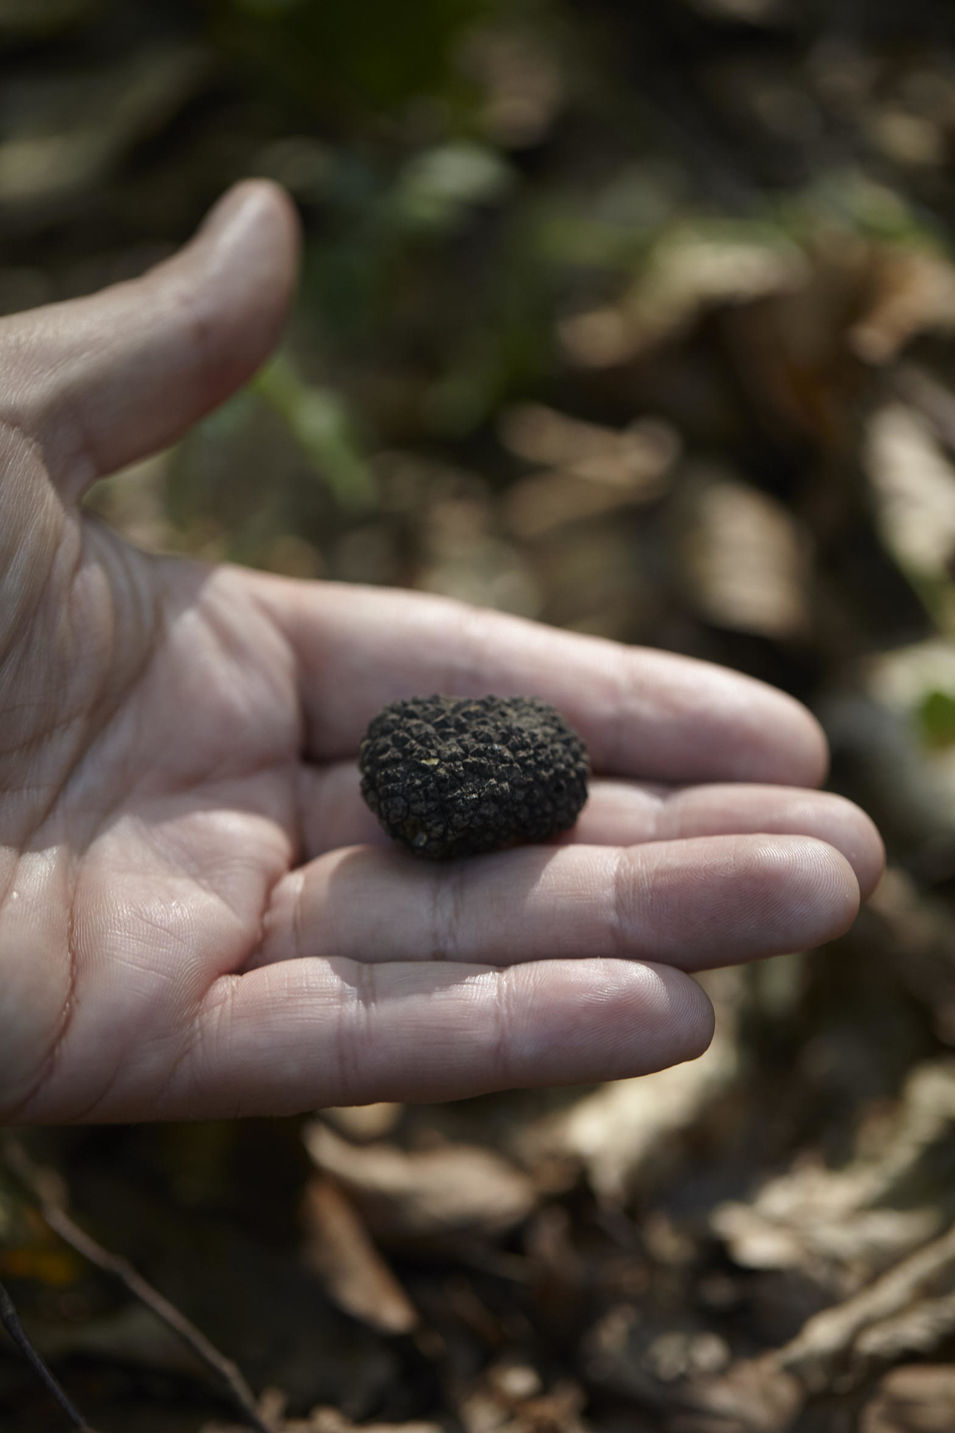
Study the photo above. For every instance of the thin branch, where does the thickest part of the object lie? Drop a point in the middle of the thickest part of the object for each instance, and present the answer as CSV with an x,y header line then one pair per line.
x,y
11,1322
879,1322
47,1188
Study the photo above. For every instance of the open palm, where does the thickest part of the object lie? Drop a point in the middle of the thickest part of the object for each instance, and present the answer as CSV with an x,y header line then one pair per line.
x,y
198,917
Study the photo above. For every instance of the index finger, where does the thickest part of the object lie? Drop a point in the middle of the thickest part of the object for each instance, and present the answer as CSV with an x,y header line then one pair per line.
x,y
641,712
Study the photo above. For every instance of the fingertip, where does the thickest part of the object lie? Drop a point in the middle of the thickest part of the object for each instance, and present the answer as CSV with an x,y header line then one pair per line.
x,y
836,825
721,900
610,1019
823,891
254,209
846,893
685,1012
788,747
719,725
248,246
672,1012
812,749
860,843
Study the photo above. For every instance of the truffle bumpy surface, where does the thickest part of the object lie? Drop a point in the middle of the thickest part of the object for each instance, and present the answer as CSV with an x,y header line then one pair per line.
x,y
450,776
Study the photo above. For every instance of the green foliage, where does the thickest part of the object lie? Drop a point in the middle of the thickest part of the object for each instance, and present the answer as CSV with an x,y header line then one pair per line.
x,y
371,56
318,420
438,187
936,718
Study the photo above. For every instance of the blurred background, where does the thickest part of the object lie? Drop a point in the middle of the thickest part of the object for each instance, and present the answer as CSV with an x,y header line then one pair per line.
x,y
636,319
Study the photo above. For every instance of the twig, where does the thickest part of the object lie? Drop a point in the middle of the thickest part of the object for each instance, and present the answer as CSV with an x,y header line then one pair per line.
x,y
849,1336
46,1186
11,1322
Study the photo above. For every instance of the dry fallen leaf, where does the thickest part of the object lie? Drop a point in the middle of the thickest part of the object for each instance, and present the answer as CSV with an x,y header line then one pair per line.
x,y
623,1130
339,1249
425,1195
914,1398
842,1226
745,558
910,1309
510,1398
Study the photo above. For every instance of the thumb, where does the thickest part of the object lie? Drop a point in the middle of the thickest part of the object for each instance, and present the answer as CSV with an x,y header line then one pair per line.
x,y
99,382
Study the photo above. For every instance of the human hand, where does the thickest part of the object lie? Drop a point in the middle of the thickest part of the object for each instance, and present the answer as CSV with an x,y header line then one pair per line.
x,y
198,916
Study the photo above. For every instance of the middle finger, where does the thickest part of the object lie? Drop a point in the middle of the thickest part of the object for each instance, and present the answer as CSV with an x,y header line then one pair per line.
x,y
625,813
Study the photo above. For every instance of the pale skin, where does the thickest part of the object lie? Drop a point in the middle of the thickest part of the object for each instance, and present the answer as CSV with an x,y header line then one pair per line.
x,y
198,916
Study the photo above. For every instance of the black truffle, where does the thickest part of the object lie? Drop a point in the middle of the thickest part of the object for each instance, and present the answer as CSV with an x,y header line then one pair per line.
x,y
451,777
